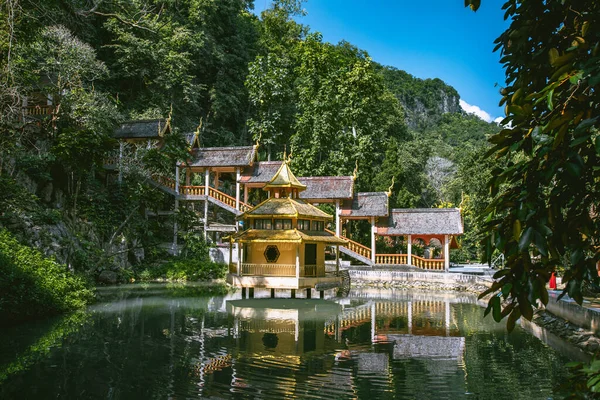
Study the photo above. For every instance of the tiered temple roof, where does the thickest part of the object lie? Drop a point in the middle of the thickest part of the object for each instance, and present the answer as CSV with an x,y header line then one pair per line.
x,y
368,204
142,129
286,207
422,221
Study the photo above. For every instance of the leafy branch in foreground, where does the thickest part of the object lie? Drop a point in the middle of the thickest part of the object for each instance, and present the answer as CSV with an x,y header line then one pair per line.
x,y
546,191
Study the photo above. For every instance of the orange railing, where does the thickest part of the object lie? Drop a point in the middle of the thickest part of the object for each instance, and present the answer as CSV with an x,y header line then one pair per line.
x,y
426,263
164,181
191,190
391,259
227,199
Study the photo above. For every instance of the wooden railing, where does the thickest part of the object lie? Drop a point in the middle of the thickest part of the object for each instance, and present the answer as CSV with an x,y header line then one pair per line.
x,y
391,259
164,181
227,199
314,270
269,269
191,190
355,246
112,160
426,263
38,110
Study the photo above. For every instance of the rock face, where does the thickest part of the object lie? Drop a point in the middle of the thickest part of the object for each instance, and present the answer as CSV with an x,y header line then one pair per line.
x,y
573,334
108,277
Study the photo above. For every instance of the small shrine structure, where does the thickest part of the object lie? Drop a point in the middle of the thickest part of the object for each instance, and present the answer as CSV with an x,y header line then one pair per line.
x,y
284,241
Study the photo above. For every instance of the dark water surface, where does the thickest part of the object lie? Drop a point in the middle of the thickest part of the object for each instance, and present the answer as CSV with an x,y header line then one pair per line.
x,y
161,341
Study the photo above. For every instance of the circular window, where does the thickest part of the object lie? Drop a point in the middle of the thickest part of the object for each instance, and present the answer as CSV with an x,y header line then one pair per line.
x,y
271,254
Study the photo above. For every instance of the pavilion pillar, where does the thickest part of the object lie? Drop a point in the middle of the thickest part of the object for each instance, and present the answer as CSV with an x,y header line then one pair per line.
x,y
246,194
373,229
297,261
230,254
120,166
237,189
446,253
176,180
338,225
206,179
409,248
188,176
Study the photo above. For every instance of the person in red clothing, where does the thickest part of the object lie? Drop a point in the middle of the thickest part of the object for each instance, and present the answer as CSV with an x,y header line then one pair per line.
x,y
553,281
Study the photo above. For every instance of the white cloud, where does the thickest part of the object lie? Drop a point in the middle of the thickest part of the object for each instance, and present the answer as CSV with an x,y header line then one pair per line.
x,y
470,109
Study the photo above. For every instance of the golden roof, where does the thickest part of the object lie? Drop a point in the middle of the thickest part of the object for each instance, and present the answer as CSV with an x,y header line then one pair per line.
x,y
286,236
284,178
285,207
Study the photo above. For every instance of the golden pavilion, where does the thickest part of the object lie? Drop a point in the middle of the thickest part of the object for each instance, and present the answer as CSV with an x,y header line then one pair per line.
x,y
284,241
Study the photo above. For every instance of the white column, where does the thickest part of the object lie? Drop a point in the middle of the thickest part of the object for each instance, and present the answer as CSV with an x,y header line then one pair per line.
x,y
206,178
176,180
237,189
297,261
337,258
338,225
409,247
230,252
373,230
446,253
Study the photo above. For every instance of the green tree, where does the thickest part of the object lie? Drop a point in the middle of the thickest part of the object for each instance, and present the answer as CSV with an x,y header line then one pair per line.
x,y
544,213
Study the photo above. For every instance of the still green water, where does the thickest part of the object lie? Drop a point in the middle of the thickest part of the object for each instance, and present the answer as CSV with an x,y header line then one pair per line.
x,y
162,341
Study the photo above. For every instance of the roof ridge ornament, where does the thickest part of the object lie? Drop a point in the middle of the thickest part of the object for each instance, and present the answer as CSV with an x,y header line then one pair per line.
x,y
389,191
258,141
355,173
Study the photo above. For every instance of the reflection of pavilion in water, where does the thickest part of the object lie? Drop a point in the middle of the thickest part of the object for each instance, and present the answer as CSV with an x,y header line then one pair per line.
x,y
304,341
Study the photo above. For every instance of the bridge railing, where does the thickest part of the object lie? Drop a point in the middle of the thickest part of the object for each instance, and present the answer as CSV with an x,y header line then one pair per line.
x,y
426,263
391,259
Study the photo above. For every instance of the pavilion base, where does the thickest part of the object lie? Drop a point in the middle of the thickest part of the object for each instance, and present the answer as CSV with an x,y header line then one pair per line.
x,y
283,282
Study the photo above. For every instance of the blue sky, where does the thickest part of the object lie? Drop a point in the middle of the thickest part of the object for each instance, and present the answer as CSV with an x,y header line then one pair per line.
x,y
428,39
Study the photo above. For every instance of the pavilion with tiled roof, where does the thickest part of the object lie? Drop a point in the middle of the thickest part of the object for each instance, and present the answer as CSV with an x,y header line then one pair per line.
x,y
283,244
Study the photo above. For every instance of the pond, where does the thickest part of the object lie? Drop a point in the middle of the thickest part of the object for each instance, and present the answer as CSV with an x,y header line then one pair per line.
x,y
168,341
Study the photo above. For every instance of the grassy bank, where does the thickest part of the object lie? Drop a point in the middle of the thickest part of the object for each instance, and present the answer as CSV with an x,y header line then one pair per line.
x,y
34,286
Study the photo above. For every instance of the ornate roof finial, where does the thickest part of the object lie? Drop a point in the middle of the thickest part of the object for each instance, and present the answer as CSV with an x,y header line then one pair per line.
x,y
355,173
389,191
285,153
258,141
196,138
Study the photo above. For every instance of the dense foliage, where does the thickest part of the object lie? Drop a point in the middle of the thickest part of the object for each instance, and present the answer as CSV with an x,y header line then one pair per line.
x,y
546,192
33,285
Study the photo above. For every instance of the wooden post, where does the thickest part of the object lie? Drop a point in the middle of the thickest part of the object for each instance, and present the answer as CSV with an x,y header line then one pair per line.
x,y
176,180
373,229
237,188
246,194
188,176
409,247
337,259
216,180
231,252
446,253
338,225
206,179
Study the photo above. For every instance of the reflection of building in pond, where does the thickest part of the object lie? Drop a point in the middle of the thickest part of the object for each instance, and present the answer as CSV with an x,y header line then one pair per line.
x,y
304,341
278,326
